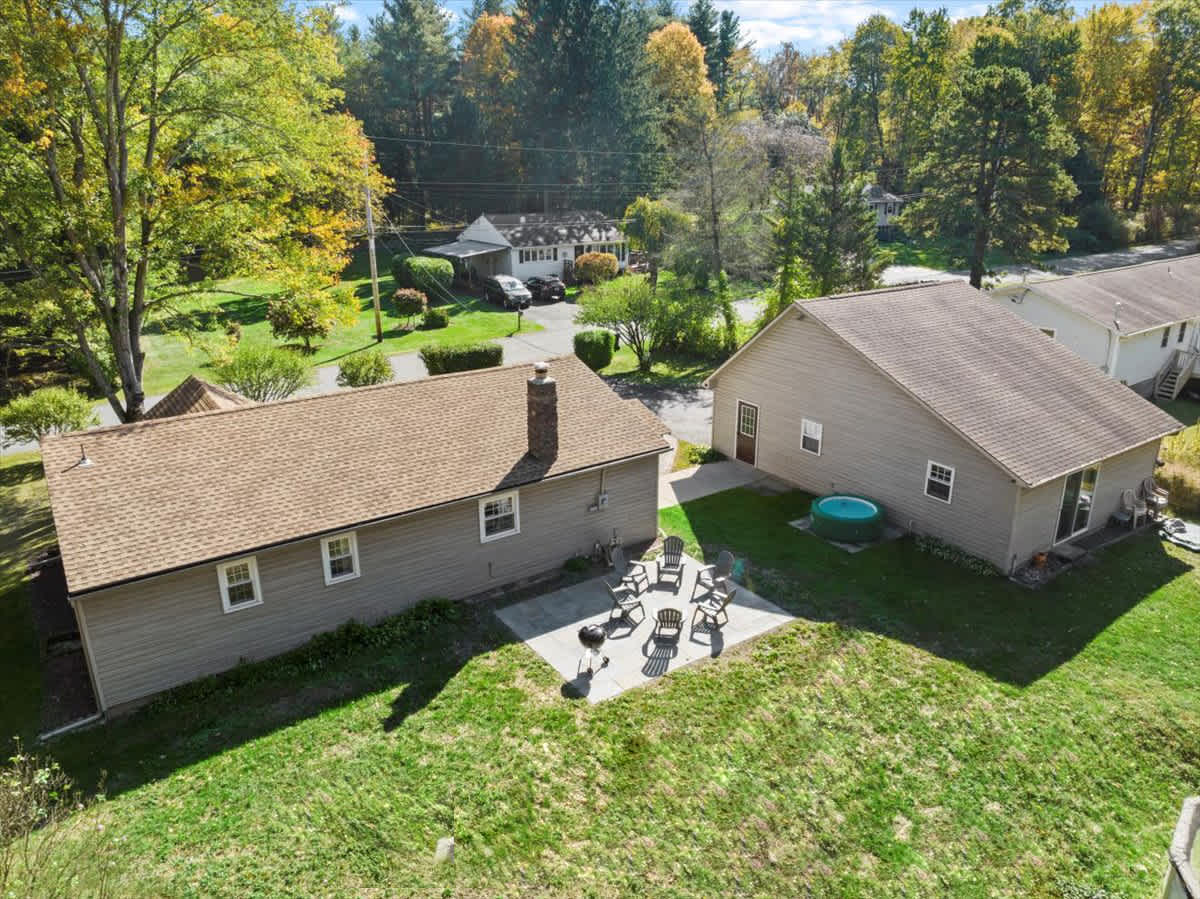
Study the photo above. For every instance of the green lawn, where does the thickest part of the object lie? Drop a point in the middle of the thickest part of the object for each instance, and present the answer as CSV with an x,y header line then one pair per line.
x,y
183,343
667,369
919,731
937,255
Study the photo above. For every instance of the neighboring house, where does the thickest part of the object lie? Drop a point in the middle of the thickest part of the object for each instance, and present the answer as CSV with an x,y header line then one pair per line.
x,y
963,421
528,244
192,543
1138,324
886,206
194,395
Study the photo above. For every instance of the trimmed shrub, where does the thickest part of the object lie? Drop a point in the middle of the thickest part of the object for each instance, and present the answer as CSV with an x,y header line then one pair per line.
x,y
435,318
595,348
397,266
364,369
409,303
592,268
264,373
425,273
440,360
51,410
310,315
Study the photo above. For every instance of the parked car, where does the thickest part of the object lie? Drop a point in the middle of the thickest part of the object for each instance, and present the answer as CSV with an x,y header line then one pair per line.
x,y
546,288
507,291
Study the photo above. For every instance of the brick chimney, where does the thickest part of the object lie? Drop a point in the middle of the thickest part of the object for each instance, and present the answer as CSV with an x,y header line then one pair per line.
x,y
542,414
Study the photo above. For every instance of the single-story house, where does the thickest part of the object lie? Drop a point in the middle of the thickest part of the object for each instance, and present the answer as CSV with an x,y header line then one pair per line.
x,y
886,206
961,420
528,244
1138,324
194,542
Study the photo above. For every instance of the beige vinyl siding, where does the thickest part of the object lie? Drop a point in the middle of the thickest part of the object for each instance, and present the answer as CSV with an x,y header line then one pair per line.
x,y
877,440
1037,508
157,633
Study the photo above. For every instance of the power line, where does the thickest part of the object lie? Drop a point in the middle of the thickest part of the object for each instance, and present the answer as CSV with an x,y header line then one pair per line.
x,y
465,144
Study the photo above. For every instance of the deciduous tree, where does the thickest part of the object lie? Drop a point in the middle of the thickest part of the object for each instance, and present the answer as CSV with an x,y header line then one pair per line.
x,y
138,135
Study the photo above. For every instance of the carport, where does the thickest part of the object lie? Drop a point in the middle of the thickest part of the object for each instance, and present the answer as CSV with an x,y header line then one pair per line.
x,y
474,259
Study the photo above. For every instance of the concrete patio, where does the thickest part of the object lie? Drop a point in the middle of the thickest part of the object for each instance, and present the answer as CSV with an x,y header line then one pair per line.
x,y
549,625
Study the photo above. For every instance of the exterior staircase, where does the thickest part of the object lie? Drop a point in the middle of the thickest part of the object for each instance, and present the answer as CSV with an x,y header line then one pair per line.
x,y
1174,375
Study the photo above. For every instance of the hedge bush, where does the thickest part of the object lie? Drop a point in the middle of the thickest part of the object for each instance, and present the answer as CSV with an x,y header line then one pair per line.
x,y
364,369
436,318
592,268
264,373
409,303
595,348
425,273
440,360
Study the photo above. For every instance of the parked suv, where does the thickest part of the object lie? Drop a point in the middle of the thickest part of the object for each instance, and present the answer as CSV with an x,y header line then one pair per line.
x,y
508,291
546,288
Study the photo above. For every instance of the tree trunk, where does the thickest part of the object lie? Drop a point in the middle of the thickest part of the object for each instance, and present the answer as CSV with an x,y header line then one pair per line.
x,y
978,252
1135,203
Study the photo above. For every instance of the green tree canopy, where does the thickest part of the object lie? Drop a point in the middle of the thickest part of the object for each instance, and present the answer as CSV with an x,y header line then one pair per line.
x,y
139,135
994,174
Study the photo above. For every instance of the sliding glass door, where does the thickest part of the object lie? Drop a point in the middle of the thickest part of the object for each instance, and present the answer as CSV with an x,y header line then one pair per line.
x,y
1075,512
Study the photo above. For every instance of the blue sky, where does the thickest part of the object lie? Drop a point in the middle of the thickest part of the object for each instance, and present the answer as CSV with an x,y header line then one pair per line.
x,y
809,24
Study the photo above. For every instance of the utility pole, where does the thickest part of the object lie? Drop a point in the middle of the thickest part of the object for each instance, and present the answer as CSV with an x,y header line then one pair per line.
x,y
371,256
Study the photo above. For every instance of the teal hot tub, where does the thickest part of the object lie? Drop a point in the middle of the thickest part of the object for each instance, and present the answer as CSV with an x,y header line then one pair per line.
x,y
847,518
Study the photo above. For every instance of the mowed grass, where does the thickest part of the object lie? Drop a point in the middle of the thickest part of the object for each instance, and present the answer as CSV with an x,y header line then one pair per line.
x,y
186,341
1181,453
25,527
918,731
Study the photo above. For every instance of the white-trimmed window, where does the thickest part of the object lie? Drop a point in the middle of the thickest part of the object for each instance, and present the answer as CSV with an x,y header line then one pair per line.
x,y
339,554
239,584
939,481
499,516
810,436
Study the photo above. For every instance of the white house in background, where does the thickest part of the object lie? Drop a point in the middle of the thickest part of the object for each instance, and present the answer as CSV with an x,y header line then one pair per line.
x,y
528,244
1139,323
886,207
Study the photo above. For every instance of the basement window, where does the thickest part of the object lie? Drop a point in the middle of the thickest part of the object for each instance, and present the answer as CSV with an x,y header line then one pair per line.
x,y
499,516
339,555
939,481
239,584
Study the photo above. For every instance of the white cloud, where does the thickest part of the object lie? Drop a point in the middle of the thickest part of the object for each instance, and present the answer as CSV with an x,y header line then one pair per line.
x,y
348,15
809,25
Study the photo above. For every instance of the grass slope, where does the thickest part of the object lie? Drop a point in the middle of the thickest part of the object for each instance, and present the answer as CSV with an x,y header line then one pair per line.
x,y
918,731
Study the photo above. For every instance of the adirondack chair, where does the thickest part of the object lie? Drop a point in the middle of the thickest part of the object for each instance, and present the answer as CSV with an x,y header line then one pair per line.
x,y
670,563
669,620
624,600
631,573
712,608
710,577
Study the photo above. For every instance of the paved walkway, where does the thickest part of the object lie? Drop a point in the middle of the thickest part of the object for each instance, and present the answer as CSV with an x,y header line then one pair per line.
x,y
549,625
702,480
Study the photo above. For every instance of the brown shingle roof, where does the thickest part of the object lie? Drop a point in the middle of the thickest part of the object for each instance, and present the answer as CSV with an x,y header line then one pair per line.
x,y
194,395
1151,295
1033,406
1024,400
168,493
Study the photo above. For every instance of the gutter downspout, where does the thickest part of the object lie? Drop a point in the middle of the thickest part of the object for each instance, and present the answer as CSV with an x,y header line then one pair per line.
x,y
1114,343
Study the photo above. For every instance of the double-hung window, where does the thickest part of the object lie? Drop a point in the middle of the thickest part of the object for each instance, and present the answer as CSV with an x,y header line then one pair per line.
x,y
810,436
499,516
1182,331
939,481
1166,335
239,584
339,555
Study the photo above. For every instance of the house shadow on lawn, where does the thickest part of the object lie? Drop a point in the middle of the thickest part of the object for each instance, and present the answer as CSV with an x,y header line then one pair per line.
x,y
990,624
217,714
